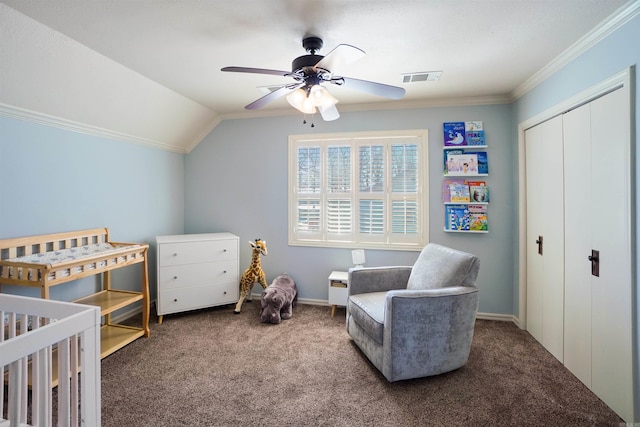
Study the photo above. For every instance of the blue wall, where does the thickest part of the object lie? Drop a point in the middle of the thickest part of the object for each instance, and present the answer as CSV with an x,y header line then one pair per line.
x,y
236,181
54,180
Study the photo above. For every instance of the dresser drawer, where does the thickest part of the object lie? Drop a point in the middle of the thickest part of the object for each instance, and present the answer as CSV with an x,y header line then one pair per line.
x,y
197,252
194,297
177,276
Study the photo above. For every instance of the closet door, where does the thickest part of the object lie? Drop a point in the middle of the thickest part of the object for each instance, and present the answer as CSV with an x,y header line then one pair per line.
x,y
579,223
545,242
612,377
598,334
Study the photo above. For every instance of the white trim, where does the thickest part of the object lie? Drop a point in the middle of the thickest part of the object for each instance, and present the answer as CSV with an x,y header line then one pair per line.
x,y
70,125
621,79
593,37
73,126
389,105
498,317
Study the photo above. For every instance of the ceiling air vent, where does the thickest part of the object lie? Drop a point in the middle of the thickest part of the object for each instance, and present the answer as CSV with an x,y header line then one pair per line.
x,y
424,76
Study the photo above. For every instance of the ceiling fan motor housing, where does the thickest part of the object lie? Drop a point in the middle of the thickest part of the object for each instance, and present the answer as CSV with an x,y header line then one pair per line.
x,y
305,61
311,44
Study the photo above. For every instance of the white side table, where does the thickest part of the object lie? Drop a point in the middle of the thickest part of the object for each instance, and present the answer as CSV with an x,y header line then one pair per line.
x,y
338,289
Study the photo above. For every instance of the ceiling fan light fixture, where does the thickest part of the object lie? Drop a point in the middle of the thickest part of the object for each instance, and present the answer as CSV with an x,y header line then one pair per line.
x,y
297,98
308,107
321,97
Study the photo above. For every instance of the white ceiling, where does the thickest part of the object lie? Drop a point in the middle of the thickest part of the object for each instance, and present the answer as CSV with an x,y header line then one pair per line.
x,y
484,48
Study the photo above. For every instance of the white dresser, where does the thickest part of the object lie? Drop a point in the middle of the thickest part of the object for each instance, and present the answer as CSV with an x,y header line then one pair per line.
x,y
196,271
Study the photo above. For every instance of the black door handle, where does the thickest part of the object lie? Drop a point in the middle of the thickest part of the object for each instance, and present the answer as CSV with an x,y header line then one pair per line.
x,y
539,243
595,262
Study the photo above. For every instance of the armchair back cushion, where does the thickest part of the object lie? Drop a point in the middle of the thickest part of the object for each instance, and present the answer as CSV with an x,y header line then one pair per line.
x,y
441,267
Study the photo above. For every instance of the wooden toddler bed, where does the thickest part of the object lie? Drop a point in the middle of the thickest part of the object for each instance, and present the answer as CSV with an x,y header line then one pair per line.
x,y
53,259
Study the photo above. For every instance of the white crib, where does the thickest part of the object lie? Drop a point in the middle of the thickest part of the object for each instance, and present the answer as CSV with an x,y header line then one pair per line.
x,y
39,340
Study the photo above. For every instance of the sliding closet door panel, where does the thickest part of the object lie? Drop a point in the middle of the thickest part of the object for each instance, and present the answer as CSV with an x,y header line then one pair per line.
x,y
535,219
578,226
553,242
611,291
545,243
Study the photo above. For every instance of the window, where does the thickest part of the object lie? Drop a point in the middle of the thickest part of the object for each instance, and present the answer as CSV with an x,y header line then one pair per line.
x,y
365,189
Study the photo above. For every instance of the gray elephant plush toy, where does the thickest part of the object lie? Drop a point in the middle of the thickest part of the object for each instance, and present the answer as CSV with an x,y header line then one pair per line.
x,y
278,300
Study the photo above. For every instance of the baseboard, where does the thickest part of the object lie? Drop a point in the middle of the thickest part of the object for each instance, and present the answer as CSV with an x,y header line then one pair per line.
x,y
311,301
499,317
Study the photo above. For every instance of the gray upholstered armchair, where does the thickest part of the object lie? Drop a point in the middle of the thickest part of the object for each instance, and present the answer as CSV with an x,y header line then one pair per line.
x,y
415,321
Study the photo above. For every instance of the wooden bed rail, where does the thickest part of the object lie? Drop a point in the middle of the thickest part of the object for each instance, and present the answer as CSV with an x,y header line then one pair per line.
x,y
21,246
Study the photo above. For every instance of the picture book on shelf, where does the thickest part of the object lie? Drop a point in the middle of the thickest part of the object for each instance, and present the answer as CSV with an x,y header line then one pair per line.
x,y
483,161
474,133
478,217
462,164
459,192
459,162
457,217
447,152
446,189
478,191
453,134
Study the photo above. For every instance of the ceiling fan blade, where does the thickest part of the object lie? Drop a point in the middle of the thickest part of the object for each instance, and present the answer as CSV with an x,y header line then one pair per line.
x,y
256,71
380,89
329,113
342,54
272,96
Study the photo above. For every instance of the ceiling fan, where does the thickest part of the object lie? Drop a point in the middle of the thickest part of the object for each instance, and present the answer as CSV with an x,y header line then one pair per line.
x,y
306,93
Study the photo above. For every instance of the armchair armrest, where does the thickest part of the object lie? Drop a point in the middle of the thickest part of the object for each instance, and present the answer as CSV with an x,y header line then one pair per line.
x,y
431,293
378,279
430,309
441,320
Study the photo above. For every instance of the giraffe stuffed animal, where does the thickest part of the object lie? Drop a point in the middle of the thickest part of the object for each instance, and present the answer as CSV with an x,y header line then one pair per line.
x,y
252,274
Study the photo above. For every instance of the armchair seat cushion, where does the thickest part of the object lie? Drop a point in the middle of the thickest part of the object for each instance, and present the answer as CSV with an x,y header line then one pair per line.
x,y
368,312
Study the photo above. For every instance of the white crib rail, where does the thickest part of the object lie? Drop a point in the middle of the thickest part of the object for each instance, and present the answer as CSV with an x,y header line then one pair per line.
x,y
29,329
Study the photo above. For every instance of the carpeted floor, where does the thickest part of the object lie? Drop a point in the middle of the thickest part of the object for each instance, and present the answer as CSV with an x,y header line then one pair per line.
x,y
217,368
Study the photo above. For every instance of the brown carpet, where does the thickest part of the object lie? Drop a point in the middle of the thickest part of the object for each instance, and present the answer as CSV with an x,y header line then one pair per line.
x,y
216,368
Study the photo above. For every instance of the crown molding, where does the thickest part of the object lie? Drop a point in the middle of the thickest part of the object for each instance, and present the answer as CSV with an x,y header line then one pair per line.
x,y
395,105
73,126
597,34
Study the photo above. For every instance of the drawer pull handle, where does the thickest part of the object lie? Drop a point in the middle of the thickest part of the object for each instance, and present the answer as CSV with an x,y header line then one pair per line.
x,y
225,292
225,271
175,300
175,254
175,277
224,250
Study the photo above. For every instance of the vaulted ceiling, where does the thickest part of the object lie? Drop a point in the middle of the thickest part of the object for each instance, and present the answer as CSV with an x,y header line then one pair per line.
x,y
150,70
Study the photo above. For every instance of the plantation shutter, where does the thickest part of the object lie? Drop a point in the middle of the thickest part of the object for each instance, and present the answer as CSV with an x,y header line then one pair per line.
x,y
359,190
339,189
309,210
404,189
371,204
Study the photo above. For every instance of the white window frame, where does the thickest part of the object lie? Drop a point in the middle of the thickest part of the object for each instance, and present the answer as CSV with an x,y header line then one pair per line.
x,y
386,240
